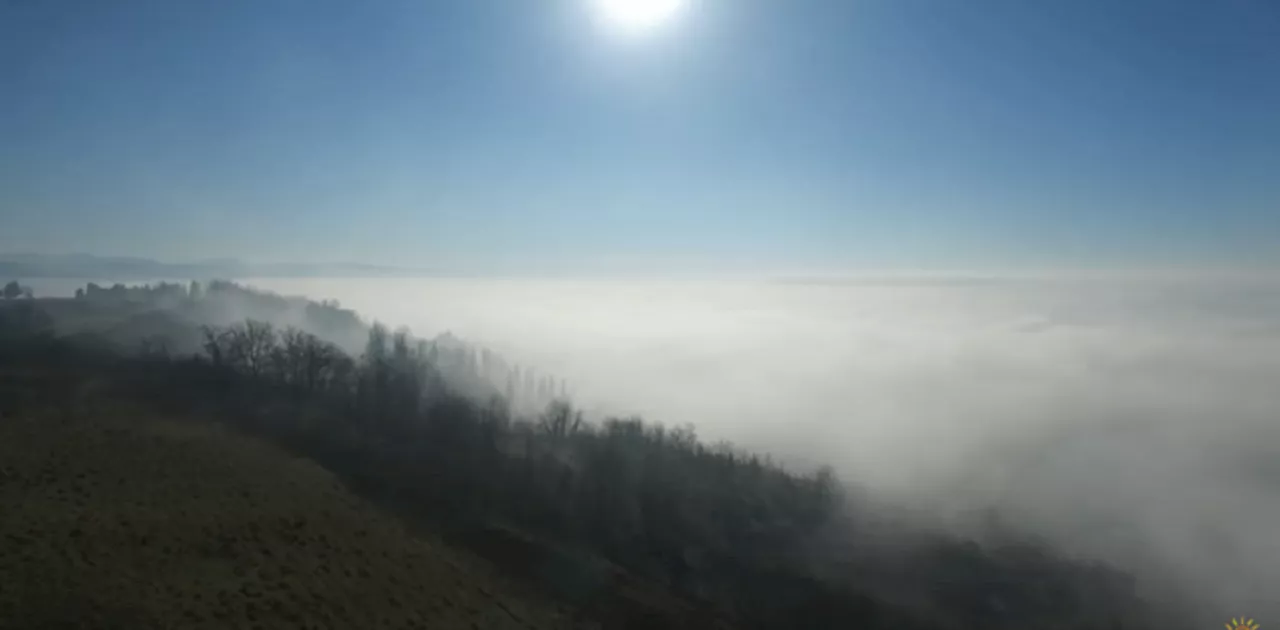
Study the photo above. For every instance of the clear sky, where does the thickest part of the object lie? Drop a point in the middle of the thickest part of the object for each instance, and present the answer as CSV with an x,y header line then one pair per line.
x,y
743,134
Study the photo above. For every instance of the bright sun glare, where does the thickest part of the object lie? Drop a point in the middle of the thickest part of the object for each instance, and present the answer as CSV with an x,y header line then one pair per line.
x,y
638,15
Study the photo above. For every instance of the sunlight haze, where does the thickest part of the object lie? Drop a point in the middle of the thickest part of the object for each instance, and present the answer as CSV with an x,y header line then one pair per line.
x,y
638,15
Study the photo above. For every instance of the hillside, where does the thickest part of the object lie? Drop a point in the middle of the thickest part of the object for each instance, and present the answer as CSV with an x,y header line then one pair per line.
x,y
632,523
133,520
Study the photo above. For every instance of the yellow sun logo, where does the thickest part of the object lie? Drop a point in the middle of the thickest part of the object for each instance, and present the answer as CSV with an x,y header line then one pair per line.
x,y
1242,624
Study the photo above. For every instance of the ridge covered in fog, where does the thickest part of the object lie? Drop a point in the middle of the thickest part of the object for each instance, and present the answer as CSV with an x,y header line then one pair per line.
x,y
1126,416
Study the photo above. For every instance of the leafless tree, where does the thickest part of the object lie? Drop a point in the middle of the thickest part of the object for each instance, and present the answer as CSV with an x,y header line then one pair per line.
x,y
560,420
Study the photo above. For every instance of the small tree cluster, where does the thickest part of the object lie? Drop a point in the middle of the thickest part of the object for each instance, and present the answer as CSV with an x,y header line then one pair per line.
x,y
293,358
13,291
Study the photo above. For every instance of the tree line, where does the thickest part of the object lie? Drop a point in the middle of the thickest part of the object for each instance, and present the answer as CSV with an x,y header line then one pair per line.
x,y
471,369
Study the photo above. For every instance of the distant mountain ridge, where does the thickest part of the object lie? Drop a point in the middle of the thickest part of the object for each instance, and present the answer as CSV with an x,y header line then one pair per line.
x,y
25,265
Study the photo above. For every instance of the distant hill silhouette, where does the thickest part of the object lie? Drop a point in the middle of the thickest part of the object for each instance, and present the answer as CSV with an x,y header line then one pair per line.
x,y
22,265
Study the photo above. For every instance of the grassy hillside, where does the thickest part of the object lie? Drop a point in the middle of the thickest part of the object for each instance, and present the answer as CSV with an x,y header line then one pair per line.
x,y
118,518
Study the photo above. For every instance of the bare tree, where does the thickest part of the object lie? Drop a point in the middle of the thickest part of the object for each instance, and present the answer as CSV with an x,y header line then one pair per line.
x,y
320,362
246,347
289,357
257,342
215,344
560,420
303,360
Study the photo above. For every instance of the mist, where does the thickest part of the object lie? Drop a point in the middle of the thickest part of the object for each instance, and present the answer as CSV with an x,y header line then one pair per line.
x,y
1130,419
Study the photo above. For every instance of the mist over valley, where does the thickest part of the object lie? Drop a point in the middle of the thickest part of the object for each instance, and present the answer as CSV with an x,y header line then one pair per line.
x,y
1126,418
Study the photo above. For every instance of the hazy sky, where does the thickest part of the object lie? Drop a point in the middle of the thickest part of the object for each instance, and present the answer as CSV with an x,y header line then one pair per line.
x,y
507,134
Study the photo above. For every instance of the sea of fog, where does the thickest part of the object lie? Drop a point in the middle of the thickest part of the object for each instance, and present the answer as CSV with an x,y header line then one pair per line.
x,y
1134,418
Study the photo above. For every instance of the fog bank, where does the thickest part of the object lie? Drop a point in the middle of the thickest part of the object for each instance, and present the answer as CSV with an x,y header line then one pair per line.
x,y
1128,418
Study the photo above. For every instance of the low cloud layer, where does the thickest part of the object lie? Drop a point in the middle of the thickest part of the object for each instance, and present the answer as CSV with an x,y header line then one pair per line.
x,y
1133,419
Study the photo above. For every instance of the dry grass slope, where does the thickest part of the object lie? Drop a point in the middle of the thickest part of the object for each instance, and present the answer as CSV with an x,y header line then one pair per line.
x,y
113,518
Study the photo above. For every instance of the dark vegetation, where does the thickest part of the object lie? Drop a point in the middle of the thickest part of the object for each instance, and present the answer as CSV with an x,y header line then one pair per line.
x,y
117,517
13,291
644,526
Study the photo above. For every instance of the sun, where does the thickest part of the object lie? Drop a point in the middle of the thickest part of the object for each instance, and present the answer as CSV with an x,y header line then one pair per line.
x,y
638,15
1242,624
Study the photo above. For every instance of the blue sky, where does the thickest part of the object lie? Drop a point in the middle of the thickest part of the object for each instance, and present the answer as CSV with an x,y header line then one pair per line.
x,y
497,135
